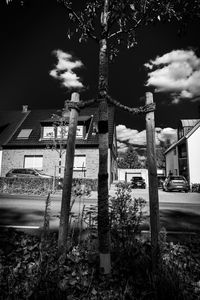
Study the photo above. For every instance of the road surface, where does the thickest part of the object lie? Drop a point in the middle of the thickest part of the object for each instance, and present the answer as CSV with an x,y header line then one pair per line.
x,y
178,211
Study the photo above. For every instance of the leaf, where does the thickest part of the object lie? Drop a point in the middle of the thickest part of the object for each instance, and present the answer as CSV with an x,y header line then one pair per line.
x,y
93,292
63,284
85,283
132,6
73,281
74,273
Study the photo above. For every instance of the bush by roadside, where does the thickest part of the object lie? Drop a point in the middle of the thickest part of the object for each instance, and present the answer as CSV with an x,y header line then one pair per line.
x,y
39,186
195,187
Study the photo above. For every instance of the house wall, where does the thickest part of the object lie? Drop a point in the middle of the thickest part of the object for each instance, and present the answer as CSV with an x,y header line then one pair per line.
x,y
194,156
0,160
172,162
15,159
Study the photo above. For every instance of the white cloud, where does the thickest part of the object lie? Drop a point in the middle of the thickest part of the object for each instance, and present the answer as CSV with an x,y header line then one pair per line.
x,y
177,72
164,134
64,70
138,138
121,147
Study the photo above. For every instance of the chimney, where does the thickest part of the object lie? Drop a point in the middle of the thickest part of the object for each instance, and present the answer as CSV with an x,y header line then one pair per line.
x,y
24,108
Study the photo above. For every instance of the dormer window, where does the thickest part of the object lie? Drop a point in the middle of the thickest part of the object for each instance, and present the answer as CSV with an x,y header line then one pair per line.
x,y
79,132
57,129
48,132
60,132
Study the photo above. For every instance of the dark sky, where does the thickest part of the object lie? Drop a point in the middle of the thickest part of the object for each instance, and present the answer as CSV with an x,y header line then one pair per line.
x,y
30,33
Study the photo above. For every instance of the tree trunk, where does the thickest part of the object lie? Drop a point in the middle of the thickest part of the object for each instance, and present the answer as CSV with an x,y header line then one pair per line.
x,y
103,216
60,163
68,174
153,183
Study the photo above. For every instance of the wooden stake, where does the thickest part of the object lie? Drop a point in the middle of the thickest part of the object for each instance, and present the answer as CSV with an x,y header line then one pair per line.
x,y
153,183
68,174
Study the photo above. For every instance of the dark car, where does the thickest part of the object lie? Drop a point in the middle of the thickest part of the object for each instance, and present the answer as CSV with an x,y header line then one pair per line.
x,y
138,182
27,172
175,183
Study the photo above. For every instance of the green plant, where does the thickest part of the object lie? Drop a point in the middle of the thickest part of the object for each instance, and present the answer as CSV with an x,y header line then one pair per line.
x,y
126,214
196,187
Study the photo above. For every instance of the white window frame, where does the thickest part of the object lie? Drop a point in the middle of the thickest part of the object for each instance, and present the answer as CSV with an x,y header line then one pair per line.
x,y
62,130
79,131
48,132
33,163
77,166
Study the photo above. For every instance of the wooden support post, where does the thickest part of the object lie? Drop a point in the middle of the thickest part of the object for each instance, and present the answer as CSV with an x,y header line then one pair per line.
x,y
153,183
68,174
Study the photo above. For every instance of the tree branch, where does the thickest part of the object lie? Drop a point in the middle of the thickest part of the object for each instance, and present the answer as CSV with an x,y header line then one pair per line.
x,y
115,33
81,23
124,31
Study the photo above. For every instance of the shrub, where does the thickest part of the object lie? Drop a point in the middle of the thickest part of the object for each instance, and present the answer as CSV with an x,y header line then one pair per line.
x,y
126,215
25,185
196,187
39,185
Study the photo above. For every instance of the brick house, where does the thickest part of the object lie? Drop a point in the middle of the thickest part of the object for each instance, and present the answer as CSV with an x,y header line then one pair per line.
x,y
9,123
182,158
30,145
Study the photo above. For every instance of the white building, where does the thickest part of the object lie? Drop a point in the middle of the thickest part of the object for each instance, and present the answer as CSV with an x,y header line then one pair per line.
x,y
183,157
127,174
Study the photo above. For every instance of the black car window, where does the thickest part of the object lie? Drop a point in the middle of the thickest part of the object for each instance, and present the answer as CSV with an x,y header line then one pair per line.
x,y
30,172
137,178
17,171
176,178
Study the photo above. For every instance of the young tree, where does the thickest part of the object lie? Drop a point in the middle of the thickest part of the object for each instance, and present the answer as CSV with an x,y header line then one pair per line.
x,y
58,139
113,23
129,159
160,152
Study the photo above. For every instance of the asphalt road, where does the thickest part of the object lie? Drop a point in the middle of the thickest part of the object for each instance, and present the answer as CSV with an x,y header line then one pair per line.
x,y
178,211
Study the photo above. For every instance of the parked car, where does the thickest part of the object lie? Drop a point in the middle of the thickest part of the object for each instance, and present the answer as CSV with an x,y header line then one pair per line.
x,y
27,172
138,182
176,183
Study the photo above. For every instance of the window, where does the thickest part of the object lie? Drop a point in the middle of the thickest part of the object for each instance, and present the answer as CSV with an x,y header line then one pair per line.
x,y
79,131
48,132
17,171
33,161
24,134
62,132
79,162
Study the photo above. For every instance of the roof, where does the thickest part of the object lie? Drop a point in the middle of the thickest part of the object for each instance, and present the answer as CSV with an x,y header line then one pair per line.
x,y
189,122
42,116
10,121
192,130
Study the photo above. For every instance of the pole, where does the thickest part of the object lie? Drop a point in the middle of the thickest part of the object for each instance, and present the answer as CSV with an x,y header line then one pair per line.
x,y
68,174
153,183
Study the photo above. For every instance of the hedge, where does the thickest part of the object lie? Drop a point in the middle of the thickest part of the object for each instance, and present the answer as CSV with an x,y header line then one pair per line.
x,y
38,185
